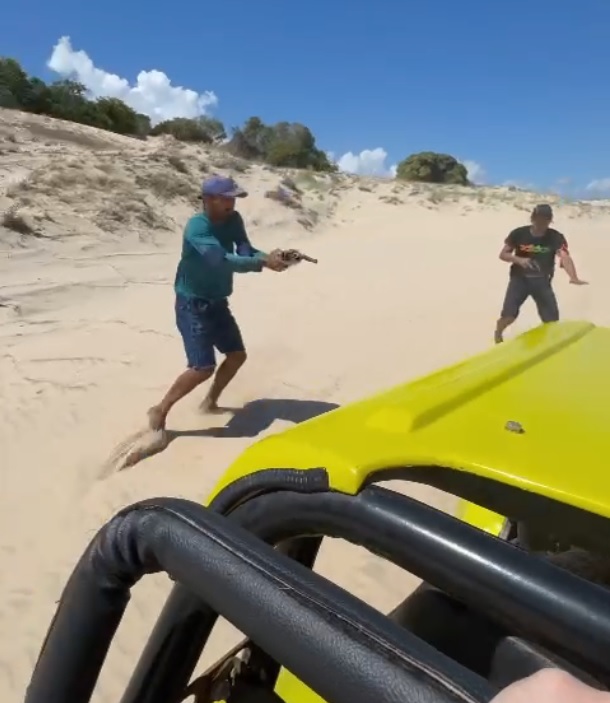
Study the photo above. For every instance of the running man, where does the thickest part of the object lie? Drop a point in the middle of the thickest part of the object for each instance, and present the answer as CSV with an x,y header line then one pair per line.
x,y
214,247
531,251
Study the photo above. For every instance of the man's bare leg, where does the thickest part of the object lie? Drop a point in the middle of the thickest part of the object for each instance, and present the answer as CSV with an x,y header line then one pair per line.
x,y
182,386
224,375
501,326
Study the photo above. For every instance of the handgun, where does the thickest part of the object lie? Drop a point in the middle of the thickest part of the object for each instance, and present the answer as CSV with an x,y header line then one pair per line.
x,y
294,256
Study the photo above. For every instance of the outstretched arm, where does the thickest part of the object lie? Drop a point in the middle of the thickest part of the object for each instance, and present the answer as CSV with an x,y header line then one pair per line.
x,y
567,263
243,245
245,249
214,255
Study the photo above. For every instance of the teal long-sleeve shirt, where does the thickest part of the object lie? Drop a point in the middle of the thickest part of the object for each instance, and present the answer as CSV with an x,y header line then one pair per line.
x,y
211,254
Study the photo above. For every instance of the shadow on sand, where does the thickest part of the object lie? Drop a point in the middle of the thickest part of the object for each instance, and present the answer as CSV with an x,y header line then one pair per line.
x,y
258,415
247,421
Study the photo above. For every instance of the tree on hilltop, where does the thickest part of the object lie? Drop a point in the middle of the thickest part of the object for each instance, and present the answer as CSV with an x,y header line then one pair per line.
x,y
204,129
14,83
284,144
431,167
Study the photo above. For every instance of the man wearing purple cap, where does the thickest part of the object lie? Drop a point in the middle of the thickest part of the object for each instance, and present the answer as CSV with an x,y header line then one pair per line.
x,y
214,247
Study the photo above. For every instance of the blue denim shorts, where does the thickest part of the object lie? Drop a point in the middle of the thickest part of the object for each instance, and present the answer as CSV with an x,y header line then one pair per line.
x,y
205,326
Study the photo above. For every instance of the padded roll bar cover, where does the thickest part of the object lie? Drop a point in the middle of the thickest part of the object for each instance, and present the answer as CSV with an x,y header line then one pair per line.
x,y
515,658
308,624
460,632
529,595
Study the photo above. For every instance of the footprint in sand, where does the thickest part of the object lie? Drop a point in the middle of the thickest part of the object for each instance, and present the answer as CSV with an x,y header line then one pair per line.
x,y
146,442
138,446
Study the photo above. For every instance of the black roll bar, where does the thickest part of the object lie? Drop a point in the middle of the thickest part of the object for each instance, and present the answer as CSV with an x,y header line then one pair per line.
x,y
309,625
528,595
522,591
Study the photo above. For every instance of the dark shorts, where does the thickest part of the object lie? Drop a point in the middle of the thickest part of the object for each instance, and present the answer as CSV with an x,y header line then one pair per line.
x,y
520,288
204,327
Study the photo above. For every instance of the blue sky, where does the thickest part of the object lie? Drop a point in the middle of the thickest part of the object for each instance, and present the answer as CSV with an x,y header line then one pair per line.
x,y
519,88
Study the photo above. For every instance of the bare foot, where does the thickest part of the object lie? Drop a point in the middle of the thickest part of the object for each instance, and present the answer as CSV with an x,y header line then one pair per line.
x,y
156,418
209,406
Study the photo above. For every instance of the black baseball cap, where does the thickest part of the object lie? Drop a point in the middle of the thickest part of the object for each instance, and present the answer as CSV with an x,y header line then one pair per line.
x,y
543,210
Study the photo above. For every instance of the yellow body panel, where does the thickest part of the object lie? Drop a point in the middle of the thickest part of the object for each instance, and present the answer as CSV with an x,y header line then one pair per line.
x,y
484,519
554,380
292,690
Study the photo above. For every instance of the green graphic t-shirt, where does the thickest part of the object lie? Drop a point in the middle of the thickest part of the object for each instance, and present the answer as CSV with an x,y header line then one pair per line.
x,y
542,249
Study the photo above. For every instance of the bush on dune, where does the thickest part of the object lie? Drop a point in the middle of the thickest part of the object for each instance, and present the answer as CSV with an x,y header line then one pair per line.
x,y
430,167
206,130
284,144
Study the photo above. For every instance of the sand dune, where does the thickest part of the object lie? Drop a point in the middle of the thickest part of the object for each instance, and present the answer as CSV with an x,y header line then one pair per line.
x,y
408,280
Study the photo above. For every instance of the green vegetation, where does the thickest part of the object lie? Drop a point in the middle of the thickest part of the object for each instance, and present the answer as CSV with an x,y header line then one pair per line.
x,y
287,144
66,100
430,167
206,130
283,144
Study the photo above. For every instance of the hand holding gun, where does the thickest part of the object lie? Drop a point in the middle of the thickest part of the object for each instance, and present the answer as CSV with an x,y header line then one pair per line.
x,y
294,256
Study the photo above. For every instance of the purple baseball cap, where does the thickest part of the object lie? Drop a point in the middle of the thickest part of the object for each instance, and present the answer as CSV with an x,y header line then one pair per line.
x,y
223,187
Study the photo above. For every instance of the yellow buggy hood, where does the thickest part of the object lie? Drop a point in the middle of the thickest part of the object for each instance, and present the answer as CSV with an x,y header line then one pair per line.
x,y
533,412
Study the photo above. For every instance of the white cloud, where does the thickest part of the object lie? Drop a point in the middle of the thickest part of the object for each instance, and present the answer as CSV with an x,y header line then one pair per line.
x,y
369,162
152,94
476,173
599,185
373,162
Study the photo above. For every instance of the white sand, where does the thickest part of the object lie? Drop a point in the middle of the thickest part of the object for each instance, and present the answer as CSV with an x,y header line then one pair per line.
x,y
88,343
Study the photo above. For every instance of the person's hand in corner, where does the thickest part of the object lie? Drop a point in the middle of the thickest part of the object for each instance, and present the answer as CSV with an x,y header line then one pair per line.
x,y
274,261
551,686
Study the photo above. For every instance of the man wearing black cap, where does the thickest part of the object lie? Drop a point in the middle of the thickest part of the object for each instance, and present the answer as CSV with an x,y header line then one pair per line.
x,y
531,251
214,247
